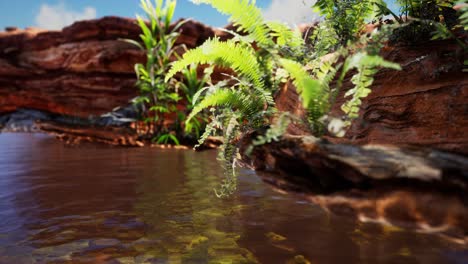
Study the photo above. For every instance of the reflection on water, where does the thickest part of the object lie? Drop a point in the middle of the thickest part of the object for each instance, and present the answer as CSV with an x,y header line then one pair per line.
x,y
95,204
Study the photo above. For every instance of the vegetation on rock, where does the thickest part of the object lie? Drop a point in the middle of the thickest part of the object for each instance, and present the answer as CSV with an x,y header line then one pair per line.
x,y
158,99
263,56
245,102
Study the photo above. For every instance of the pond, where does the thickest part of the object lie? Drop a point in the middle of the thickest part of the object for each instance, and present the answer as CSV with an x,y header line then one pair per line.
x,y
97,204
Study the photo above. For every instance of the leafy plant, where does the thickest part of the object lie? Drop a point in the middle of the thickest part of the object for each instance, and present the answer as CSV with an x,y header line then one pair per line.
x,y
191,86
346,18
165,138
420,18
357,53
462,7
157,97
245,103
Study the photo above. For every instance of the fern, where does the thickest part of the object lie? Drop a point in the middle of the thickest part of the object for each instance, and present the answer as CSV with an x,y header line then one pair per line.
x,y
210,130
285,36
228,155
244,14
367,66
276,130
324,40
240,58
463,9
310,89
245,102
229,98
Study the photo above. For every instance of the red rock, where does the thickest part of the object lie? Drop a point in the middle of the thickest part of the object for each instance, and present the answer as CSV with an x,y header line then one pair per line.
x,y
86,70
424,104
83,70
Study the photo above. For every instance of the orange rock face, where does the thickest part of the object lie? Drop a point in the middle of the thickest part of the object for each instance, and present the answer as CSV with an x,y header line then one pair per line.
x,y
80,71
86,70
424,104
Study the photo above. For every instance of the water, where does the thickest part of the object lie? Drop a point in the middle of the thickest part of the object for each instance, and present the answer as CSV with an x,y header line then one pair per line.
x,y
97,204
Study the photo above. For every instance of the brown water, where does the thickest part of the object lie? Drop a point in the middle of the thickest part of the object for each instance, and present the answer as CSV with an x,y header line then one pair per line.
x,y
96,204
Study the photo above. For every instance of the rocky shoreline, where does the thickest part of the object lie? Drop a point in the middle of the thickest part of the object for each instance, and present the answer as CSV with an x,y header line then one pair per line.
x,y
373,183
85,71
78,84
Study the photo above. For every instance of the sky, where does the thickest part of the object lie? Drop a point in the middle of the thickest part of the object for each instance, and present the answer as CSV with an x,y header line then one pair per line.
x,y
55,14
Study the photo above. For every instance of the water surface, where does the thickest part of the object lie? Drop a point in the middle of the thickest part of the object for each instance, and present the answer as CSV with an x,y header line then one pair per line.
x,y
97,204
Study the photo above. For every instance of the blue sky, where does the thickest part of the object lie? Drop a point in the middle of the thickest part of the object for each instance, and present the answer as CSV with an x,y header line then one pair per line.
x,y
54,14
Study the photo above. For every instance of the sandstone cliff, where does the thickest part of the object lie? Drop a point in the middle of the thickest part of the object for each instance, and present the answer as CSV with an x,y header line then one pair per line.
x,y
424,104
85,70
80,71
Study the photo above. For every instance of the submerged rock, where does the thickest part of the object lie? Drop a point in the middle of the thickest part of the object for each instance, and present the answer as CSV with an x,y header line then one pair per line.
x,y
418,188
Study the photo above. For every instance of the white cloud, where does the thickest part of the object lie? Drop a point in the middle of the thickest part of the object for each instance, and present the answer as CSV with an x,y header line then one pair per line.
x,y
293,12
58,16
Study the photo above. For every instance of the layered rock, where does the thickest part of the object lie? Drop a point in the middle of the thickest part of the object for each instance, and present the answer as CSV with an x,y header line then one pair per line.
x,y
377,183
84,70
407,185
424,104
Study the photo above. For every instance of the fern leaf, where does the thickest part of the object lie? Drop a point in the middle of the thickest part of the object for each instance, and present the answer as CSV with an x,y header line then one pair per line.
x,y
210,129
309,89
246,15
238,57
367,66
285,35
232,99
229,154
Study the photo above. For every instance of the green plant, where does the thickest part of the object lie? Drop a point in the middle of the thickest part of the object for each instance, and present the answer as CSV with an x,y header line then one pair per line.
x,y
424,9
244,102
346,18
191,86
156,96
462,7
420,18
356,52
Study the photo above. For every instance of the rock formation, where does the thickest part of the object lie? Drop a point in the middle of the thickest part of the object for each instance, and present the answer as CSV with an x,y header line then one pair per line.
x,y
386,184
84,70
425,104
76,75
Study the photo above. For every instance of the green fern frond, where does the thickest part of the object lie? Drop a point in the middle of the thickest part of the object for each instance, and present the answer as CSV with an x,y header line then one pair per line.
x,y
367,66
246,15
240,58
210,130
324,39
285,35
463,14
325,7
229,152
326,72
310,90
362,81
238,100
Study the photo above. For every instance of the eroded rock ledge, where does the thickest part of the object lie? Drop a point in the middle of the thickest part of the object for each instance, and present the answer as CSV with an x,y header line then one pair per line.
x,y
415,188
425,104
86,71
83,70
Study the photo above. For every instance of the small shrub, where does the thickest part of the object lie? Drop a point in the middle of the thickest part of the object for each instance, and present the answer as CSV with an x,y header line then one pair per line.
x,y
157,97
245,103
